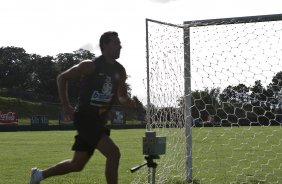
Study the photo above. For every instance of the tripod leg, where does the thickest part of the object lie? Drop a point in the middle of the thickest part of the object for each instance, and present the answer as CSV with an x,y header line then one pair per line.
x,y
154,175
149,175
133,169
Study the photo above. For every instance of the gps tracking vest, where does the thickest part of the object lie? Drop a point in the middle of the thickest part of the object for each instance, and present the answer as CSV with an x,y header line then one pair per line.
x,y
105,95
100,88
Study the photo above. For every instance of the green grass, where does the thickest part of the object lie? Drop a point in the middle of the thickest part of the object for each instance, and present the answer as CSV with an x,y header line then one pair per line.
x,y
238,155
22,150
249,155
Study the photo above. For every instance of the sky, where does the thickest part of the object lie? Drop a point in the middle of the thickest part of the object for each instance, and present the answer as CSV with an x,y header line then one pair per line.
x,y
50,27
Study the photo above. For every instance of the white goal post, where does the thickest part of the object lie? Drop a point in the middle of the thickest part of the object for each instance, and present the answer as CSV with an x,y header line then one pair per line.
x,y
190,33
217,85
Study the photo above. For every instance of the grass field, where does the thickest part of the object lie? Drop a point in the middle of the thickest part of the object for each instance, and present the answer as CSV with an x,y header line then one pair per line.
x,y
220,155
22,150
249,155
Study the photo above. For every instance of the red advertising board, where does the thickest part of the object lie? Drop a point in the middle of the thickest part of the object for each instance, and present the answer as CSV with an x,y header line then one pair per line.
x,y
8,117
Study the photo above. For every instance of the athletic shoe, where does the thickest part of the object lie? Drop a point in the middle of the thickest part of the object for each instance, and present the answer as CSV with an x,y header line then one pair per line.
x,y
34,178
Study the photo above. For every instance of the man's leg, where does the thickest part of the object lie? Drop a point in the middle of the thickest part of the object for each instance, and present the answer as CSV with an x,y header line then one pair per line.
x,y
75,164
110,150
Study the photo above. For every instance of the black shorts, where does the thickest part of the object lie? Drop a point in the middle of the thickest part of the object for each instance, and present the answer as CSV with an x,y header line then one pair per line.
x,y
90,128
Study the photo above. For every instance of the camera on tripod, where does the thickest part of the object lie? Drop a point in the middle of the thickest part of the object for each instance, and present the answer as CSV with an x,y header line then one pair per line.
x,y
153,145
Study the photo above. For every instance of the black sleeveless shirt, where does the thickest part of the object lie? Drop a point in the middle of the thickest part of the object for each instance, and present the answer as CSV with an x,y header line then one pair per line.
x,y
99,89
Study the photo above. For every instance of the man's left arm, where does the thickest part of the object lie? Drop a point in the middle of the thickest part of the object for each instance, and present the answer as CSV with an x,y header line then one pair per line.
x,y
123,96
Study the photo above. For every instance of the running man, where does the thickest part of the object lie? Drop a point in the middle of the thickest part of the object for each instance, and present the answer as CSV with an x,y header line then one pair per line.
x,y
102,82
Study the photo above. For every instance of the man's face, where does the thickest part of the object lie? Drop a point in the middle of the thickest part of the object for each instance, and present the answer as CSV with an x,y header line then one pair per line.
x,y
112,49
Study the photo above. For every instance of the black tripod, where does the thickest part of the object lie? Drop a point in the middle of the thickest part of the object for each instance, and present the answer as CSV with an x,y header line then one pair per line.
x,y
151,167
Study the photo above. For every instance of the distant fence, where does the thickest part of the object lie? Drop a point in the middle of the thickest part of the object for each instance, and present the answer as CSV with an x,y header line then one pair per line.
x,y
119,118
8,118
61,127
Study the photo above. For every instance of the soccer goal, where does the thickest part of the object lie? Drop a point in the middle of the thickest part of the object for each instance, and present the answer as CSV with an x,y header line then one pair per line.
x,y
214,90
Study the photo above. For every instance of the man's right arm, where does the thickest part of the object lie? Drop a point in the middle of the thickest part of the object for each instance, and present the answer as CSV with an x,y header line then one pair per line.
x,y
74,72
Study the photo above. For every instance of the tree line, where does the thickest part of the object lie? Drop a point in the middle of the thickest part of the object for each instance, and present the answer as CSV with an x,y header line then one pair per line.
x,y
237,104
33,77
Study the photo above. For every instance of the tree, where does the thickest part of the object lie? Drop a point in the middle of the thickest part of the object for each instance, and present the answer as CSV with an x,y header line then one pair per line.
x,y
67,60
139,104
13,67
141,111
44,75
261,95
276,84
274,89
202,102
33,76
206,99
82,54
235,94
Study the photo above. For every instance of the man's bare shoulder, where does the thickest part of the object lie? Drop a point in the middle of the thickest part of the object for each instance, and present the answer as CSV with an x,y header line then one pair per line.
x,y
86,62
87,66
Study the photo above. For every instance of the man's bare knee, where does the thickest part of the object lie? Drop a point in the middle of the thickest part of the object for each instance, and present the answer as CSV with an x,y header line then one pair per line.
x,y
79,161
109,149
76,166
115,154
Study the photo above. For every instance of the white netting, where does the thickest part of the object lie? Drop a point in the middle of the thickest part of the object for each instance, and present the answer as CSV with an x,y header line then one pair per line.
x,y
236,101
236,73
166,71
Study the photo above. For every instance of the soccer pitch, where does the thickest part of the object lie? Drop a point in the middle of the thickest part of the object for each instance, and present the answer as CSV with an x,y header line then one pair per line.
x,y
22,150
224,150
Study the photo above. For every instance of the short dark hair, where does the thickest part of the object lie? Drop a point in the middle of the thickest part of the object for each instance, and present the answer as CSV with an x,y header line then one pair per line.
x,y
106,38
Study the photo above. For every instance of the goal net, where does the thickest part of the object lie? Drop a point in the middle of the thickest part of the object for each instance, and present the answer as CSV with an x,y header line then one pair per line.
x,y
165,86
214,91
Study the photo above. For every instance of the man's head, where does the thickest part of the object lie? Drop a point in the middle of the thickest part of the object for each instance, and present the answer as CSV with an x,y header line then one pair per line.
x,y
110,44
